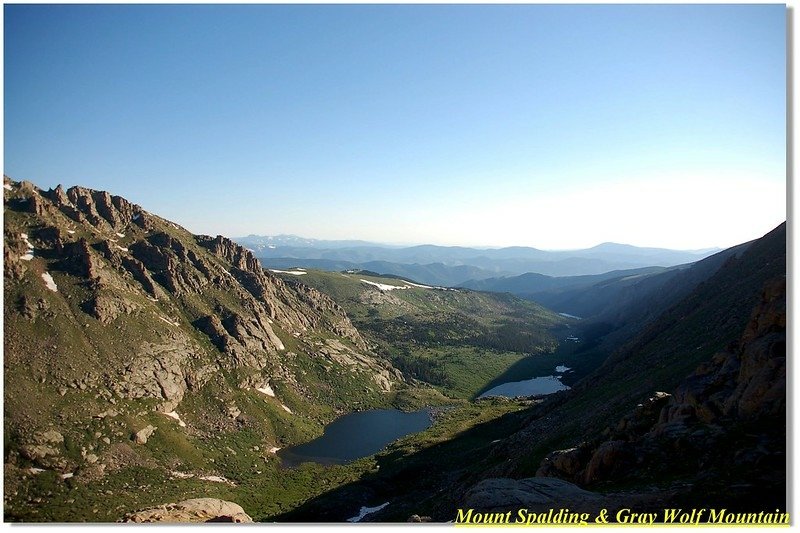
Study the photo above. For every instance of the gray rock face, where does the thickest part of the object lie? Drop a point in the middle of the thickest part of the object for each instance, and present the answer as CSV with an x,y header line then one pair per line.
x,y
535,494
106,308
38,452
158,371
194,510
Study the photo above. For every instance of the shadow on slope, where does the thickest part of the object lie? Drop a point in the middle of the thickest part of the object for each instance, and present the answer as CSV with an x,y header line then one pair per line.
x,y
432,481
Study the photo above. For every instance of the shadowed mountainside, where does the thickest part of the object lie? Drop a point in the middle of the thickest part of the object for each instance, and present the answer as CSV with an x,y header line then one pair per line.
x,y
708,377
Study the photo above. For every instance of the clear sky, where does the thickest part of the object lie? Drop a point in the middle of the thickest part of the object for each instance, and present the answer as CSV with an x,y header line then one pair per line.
x,y
553,126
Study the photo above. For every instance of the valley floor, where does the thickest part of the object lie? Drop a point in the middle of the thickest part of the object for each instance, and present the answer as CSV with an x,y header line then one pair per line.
x,y
246,475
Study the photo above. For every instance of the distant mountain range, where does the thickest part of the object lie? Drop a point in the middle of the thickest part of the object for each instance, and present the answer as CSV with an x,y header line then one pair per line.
x,y
453,265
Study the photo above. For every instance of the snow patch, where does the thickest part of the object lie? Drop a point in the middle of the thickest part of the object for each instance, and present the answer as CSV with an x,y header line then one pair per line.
x,y
29,252
49,282
292,272
384,287
570,316
217,479
181,475
6,186
168,321
67,476
287,409
118,247
71,231
274,449
266,389
562,368
34,470
120,235
176,416
365,511
136,216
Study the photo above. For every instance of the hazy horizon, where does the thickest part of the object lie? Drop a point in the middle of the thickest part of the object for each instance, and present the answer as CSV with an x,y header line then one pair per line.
x,y
557,127
475,246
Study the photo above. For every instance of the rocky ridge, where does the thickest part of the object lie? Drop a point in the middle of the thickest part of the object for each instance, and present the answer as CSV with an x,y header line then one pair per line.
x,y
115,317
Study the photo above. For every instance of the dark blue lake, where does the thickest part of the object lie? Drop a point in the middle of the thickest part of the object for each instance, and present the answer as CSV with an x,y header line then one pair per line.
x,y
529,387
356,435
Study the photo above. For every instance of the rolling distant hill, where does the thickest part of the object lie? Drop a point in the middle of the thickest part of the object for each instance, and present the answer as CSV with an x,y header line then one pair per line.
x,y
528,284
431,260
617,303
432,274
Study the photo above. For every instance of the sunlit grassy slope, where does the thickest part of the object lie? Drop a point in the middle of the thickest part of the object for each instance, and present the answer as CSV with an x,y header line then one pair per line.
x,y
459,340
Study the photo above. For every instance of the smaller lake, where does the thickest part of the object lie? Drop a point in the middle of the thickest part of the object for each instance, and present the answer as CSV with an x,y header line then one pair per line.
x,y
357,435
528,387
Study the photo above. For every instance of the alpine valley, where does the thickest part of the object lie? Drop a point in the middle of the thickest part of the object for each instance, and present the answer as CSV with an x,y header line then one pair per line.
x,y
152,374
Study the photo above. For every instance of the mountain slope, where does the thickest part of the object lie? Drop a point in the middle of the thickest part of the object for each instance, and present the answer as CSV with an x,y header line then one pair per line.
x,y
616,304
121,322
530,284
458,340
721,440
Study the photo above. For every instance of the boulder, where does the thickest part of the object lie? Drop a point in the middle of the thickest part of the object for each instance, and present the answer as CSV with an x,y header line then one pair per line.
x,y
194,510
141,436
610,459
566,464
535,494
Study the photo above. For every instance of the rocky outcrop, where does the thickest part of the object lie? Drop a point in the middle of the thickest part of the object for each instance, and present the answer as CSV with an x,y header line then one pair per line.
x,y
499,495
194,510
118,249
283,299
45,449
106,308
32,308
161,371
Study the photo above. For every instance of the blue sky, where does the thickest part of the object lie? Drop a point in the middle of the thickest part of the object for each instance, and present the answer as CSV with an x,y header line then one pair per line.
x,y
552,126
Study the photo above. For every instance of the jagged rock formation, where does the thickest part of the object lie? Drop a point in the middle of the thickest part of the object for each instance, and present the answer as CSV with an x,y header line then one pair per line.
x,y
111,309
194,510
133,263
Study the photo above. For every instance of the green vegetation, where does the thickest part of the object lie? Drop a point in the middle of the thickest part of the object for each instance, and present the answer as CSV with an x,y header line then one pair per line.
x,y
256,480
149,319
459,341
